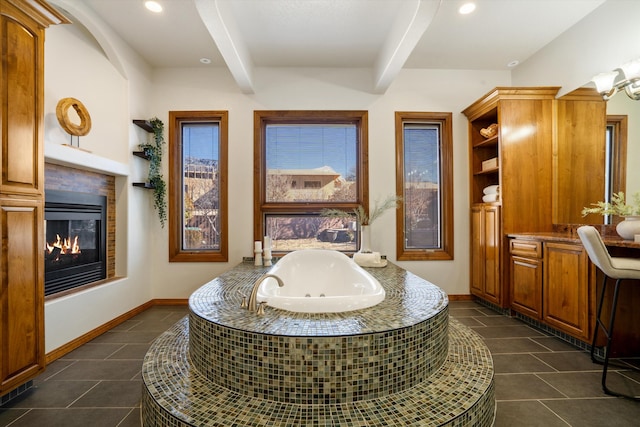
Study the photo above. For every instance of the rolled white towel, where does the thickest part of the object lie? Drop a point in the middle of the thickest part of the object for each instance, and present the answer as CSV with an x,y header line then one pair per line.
x,y
487,198
491,189
372,259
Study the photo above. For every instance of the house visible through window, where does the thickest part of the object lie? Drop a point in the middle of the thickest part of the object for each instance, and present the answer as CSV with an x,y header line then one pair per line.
x,y
308,161
197,187
424,181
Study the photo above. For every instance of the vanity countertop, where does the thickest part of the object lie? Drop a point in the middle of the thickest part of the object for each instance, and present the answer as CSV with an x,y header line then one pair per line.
x,y
571,237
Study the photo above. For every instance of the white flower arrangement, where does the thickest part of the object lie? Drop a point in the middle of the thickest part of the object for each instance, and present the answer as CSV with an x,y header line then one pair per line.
x,y
618,206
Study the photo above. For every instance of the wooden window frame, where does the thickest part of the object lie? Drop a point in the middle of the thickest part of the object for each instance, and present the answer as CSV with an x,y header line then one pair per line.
x,y
444,120
264,117
619,175
176,252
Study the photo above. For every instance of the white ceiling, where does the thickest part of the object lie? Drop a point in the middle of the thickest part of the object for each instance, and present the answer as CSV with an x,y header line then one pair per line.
x,y
384,35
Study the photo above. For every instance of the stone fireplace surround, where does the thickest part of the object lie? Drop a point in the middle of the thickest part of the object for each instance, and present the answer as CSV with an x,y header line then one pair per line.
x,y
70,178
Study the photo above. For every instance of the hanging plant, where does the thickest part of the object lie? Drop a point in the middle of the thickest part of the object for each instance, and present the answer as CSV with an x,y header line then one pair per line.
x,y
154,153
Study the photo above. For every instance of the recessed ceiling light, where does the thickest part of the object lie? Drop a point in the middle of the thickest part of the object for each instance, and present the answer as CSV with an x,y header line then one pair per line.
x,y
513,63
205,60
153,6
467,8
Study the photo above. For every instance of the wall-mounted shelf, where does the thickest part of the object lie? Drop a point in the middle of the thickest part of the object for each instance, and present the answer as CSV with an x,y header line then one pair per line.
x,y
144,124
141,154
146,185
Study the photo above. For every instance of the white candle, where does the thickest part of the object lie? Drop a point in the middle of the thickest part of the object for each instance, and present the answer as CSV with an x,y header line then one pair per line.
x,y
267,242
257,246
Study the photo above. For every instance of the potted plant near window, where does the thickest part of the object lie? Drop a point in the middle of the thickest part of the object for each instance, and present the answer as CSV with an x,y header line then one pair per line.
x,y
630,226
154,153
364,219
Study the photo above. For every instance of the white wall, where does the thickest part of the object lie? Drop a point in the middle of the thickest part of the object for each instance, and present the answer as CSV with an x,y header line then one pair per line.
x,y
602,41
414,90
114,90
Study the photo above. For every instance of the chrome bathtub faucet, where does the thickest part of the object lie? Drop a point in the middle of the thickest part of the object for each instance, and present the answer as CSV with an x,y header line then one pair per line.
x,y
252,305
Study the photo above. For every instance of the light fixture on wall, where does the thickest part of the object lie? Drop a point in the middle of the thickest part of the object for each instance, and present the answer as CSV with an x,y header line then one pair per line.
x,y
607,86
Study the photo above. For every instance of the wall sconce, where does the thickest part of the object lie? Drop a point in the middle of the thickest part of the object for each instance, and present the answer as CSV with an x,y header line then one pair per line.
x,y
608,87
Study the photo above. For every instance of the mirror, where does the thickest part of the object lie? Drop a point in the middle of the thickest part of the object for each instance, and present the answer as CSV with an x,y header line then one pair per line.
x,y
622,105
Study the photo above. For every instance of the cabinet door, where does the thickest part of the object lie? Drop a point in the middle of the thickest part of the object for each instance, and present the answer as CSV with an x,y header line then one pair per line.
x,y
21,156
485,252
566,289
477,251
21,291
492,246
526,286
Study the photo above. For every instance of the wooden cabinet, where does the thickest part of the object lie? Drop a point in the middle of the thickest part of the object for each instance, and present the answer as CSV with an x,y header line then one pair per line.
x,y
22,24
485,252
552,281
579,175
542,149
566,289
523,170
526,277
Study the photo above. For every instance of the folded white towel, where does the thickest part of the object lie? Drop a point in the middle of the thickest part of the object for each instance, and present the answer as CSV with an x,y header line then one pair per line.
x,y
491,189
372,259
487,198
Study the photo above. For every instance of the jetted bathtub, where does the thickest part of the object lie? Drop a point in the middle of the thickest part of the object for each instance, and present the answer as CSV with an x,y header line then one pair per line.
x,y
320,281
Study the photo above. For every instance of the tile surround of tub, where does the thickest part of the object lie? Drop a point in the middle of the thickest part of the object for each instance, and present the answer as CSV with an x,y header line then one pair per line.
x,y
311,358
392,364
460,393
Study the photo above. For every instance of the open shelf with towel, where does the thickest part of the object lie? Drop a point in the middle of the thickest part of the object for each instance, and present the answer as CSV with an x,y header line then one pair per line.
x,y
510,142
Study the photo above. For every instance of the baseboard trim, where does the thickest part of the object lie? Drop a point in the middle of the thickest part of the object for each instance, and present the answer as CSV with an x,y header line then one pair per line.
x,y
83,339
460,297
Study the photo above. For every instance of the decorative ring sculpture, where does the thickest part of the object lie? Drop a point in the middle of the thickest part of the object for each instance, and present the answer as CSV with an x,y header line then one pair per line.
x,y
85,120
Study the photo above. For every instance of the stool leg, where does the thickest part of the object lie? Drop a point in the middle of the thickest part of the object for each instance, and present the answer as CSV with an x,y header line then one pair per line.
x,y
609,334
598,324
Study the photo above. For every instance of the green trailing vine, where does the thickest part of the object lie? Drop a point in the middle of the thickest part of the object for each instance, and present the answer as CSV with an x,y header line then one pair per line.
x,y
154,153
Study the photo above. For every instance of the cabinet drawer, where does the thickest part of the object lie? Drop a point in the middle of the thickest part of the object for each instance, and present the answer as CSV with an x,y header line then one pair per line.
x,y
525,248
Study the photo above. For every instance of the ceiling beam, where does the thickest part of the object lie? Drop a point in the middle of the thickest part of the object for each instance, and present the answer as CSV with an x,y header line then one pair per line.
x,y
412,21
221,25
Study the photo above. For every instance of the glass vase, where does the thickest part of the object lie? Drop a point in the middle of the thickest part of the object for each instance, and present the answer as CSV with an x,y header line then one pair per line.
x,y
365,239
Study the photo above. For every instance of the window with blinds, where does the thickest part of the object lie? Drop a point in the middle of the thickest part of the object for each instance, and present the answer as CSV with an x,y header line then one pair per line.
x,y
307,161
424,181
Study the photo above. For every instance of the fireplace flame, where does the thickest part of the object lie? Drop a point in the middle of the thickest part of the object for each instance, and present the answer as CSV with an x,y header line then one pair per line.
x,y
64,245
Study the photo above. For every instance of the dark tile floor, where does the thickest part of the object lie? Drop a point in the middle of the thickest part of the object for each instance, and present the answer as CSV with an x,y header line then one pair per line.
x,y
540,380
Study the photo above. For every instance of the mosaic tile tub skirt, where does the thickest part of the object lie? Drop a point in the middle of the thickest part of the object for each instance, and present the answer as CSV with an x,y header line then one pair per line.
x,y
319,357
402,362
460,393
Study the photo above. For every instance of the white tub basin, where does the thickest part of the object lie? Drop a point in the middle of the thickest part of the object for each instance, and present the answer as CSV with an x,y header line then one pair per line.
x,y
320,281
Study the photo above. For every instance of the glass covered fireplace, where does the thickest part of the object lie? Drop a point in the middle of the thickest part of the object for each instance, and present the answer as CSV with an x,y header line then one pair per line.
x,y
75,249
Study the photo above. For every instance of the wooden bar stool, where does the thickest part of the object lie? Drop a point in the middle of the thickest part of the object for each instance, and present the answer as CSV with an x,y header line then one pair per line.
x,y
615,268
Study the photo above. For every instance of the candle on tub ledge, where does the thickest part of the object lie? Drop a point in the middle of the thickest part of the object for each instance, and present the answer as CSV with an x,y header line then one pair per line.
x,y
257,252
267,251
